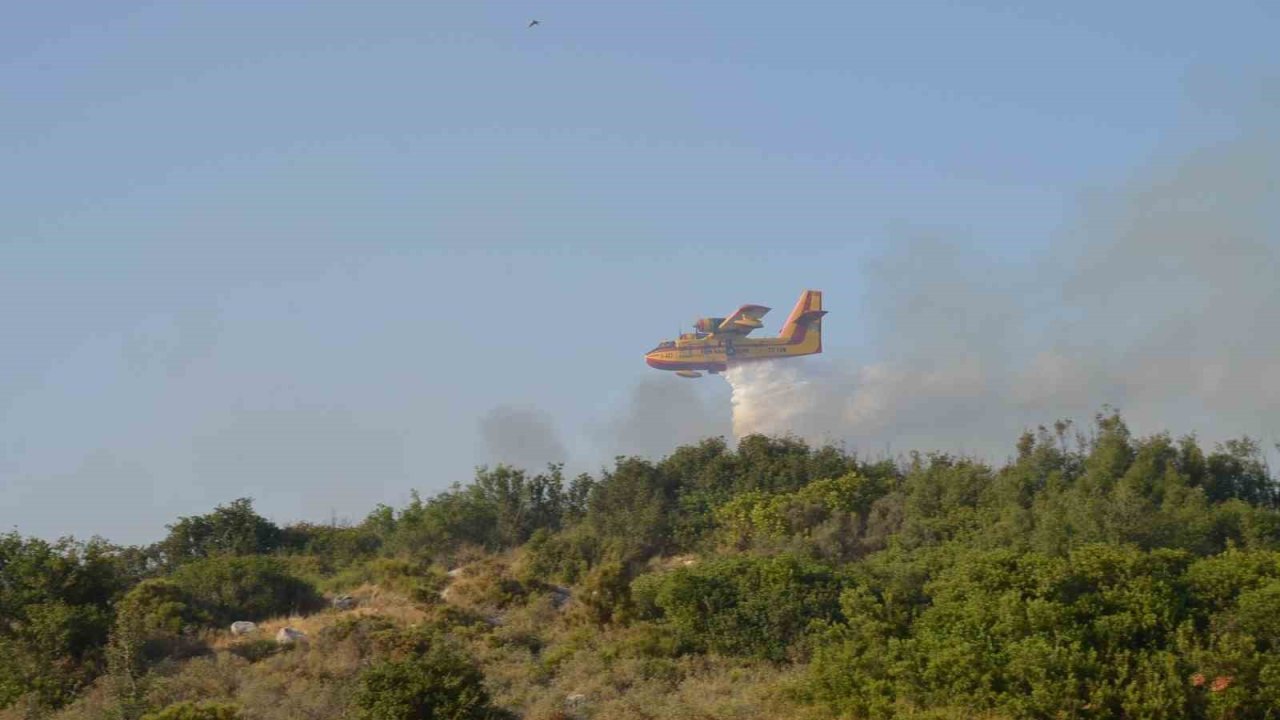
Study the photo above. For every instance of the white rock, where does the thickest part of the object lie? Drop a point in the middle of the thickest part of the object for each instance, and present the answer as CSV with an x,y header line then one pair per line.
x,y
243,627
344,602
289,636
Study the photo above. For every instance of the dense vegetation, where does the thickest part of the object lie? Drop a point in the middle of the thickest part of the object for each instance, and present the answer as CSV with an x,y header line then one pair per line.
x,y
1095,574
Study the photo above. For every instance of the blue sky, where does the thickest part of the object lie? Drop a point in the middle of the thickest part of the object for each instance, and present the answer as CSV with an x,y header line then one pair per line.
x,y
297,251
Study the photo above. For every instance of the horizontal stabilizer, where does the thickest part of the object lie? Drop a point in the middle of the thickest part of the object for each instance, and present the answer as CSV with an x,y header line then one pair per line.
x,y
806,318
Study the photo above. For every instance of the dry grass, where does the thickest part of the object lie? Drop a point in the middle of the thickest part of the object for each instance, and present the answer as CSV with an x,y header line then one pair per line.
x,y
372,601
542,662
313,680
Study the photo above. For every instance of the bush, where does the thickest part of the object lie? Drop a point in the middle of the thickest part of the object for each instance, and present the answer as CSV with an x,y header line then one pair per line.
x,y
159,606
55,615
487,585
333,547
154,621
417,580
255,650
564,556
226,589
435,682
606,594
746,606
196,711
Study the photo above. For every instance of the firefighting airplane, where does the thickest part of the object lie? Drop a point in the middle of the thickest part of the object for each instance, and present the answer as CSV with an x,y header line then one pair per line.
x,y
717,341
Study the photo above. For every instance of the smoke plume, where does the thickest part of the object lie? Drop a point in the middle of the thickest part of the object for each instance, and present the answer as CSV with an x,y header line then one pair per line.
x,y
662,413
522,437
1163,302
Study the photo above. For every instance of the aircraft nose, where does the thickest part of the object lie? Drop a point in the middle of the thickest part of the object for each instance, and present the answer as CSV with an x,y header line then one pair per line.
x,y
648,360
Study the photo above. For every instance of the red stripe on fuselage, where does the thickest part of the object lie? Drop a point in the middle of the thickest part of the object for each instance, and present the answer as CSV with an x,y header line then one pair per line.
x,y
684,365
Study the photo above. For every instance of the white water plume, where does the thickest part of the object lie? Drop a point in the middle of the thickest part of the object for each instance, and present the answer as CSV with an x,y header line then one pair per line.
x,y
771,398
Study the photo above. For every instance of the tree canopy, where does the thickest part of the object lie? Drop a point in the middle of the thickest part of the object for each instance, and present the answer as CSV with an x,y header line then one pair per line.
x,y
1094,574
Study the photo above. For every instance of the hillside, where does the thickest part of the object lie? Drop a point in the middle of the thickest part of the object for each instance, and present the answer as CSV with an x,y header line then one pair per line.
x,y
1094,574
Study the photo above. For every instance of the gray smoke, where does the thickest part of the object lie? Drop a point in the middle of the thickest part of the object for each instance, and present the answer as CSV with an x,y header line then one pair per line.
x,y
1163,302
523,437
661,414
298,457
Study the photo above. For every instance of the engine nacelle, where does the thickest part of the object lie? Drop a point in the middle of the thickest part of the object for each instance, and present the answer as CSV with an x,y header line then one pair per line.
x,y
708,325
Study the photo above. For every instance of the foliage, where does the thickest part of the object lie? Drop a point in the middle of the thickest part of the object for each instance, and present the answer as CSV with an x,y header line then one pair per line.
x,y
154,621
159,605
629,509
416,579
196,711
55,613
502,508
827,518
564,556
225,589
1095,574
434,682
606,593
486,585
336,547
756,607
231,529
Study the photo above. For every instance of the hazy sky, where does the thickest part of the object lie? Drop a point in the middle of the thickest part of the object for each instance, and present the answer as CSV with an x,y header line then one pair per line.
x,y
324,253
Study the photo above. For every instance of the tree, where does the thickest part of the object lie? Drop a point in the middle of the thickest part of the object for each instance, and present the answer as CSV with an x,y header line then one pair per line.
x,y
1237,469
630,509
55,613
232,529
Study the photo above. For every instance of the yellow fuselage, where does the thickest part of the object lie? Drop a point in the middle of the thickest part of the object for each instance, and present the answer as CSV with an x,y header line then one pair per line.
x,y
720,341
714,352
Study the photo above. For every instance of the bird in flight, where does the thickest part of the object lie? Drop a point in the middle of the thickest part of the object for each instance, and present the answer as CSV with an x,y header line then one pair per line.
x,y
534,22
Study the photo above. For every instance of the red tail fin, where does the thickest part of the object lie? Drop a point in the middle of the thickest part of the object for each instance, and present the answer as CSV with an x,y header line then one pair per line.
x,y
804,325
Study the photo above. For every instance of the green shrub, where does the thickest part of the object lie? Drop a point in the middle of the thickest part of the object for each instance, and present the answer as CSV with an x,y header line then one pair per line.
x,y
226,589
606,594
563,556
159,605
375,636
333,547
259,649
434,682
650,640
196,711
153,621
55,616
418,580
745,606
487,585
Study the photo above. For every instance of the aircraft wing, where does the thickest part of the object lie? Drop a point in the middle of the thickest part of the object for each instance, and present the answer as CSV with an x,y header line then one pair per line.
x,y
743,320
